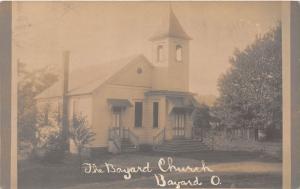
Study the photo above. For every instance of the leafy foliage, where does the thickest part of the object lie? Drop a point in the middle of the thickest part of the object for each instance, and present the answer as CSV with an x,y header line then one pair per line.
x,y
201,117
80,132
48,135
30,83
46,126
54,149
251,90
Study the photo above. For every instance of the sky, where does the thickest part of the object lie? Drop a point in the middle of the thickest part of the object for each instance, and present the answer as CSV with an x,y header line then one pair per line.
x,y
97,32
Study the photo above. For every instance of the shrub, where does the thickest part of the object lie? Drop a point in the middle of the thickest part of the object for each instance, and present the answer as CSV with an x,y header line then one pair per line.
x,y
81,133
55,152
48,140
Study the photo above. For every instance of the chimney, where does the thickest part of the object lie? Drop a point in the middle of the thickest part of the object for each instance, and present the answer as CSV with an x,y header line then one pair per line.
x,y
65,99
66,60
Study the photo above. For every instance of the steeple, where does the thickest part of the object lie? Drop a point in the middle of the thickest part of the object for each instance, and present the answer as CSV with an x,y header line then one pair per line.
x,y
170,52
170,28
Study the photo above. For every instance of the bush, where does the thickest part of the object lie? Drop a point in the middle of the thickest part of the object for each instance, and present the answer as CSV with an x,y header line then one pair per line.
x,y
49,140
80,133
54,149
49,147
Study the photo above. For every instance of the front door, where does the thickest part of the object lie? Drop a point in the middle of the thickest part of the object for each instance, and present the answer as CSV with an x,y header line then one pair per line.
x,y
117,121
179,127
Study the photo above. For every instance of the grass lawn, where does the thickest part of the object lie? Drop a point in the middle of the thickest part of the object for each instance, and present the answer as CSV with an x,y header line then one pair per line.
x,y
238,169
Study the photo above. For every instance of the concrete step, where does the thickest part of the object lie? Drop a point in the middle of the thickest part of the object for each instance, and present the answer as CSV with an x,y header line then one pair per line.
x,y
127,146
126,143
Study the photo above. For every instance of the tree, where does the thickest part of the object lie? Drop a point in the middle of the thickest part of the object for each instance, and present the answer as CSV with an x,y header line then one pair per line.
x,y
201,117
251,90
31,83
80,133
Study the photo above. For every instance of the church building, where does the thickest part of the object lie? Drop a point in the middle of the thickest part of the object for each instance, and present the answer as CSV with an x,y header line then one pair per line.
x,y
133,101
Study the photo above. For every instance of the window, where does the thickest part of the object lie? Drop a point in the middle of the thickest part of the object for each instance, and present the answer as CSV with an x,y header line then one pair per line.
x,y
160,54
117,118
155,114
139,70
179,120
178,53
179,124
138,113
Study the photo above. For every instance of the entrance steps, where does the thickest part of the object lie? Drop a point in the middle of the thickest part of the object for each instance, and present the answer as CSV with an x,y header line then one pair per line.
x,y
127,146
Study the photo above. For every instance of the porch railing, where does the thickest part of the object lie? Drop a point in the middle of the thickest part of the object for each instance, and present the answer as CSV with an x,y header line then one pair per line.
x,y
114,135
160,137
117,134
133,138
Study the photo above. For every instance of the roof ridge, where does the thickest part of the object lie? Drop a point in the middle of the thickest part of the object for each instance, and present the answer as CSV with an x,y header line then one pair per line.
x,y
172,28
105,62
129,58
89,82
129,61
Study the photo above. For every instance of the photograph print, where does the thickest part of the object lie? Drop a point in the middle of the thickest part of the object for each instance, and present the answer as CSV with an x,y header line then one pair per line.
x,y
148,94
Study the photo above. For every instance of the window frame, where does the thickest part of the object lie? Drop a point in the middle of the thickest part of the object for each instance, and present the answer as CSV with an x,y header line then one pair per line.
x,y
178,49
160,53
138,122
117,119
180,124
155,115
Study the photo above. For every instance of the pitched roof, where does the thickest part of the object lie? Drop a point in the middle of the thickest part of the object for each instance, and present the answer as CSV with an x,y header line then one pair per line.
x,y
170,28
85,80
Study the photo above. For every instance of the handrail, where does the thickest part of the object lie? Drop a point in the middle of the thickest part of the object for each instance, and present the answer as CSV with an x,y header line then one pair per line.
x,y
119,133
132,137
115,137
160,137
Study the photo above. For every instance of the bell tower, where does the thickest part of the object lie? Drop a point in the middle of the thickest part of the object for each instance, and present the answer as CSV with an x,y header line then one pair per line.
x,y
170,55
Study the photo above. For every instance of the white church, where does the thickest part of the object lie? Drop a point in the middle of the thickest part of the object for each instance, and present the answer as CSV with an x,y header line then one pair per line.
x,y
133,101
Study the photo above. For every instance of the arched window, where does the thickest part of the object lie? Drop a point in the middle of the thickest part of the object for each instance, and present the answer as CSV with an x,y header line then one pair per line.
x,y
178,53
160,53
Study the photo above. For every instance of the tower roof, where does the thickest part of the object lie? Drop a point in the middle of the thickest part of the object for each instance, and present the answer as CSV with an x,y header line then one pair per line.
x,y
170,28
